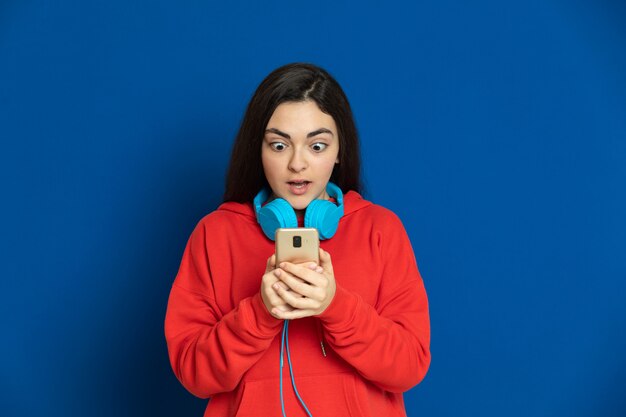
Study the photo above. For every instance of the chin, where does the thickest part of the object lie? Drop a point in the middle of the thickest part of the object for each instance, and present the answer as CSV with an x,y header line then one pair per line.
x,y
299,204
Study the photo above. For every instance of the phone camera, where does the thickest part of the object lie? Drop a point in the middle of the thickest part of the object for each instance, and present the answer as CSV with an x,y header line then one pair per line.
x,y
297,241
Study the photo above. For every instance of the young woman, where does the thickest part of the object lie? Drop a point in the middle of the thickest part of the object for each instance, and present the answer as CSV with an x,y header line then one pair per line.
x,y
355,328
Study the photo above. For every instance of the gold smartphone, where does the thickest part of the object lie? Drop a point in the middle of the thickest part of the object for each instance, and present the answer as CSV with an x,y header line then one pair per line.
x,y
297,245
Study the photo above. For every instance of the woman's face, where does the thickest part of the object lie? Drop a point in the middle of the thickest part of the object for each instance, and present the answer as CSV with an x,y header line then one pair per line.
x,y
299,150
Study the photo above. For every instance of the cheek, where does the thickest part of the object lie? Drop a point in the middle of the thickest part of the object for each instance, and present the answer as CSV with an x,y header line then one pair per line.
x,y
330,165
270,165
329,162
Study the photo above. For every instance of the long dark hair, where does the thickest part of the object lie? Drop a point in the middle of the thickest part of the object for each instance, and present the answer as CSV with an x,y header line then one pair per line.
x,y
292,82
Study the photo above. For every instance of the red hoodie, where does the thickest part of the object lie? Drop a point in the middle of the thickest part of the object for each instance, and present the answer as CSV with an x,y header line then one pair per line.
x,y
355,359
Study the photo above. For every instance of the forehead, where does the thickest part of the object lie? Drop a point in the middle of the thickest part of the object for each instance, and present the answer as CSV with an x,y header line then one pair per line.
x,y
302,116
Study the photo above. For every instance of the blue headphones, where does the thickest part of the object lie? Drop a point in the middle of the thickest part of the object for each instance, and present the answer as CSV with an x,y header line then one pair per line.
x,y
320,214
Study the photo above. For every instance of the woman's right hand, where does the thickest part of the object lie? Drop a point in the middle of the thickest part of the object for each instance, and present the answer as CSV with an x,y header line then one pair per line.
x,y
270,298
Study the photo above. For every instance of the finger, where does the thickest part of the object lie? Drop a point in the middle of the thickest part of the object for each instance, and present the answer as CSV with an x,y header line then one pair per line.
x,y
325,261
269,280
298,286
278,284
271,263
303,273
315,267
297,301
278,272
285,308
279,311
293,314
275,301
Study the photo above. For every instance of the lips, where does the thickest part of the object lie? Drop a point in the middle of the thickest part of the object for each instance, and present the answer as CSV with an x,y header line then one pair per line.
x,y
298,187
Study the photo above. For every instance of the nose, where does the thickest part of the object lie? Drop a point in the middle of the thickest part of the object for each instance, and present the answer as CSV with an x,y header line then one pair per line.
x,y
298,161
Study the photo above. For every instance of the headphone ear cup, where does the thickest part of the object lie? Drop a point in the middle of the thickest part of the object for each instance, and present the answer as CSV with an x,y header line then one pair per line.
x,y
274,215
324,216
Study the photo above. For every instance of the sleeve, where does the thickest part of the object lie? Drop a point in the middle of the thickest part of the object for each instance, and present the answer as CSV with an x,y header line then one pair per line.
x,y
388,344
210,351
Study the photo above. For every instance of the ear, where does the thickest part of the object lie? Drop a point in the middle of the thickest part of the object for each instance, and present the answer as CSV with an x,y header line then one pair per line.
x,y
337,160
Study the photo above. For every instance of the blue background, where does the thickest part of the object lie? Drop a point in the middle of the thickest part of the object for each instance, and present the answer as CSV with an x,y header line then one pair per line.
x,y
495,130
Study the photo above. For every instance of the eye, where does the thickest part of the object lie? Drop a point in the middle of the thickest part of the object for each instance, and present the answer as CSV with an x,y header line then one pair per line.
x,y
278,146
319,146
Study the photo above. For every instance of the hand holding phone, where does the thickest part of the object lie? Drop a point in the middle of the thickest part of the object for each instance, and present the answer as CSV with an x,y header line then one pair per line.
x,y
306,289
296,245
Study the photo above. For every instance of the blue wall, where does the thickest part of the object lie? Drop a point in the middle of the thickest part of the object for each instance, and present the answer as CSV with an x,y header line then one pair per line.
x,y
497,131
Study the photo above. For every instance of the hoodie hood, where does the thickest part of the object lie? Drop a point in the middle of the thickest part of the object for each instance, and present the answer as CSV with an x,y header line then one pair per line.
x,y
352,201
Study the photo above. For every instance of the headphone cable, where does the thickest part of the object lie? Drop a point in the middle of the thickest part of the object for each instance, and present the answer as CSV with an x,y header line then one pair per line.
x,y
284,340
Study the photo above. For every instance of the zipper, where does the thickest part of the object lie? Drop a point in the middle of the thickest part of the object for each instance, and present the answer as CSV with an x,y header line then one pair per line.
x,y
320,335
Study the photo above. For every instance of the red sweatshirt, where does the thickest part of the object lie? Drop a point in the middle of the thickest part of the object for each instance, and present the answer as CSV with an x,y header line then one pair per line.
x,y
224,344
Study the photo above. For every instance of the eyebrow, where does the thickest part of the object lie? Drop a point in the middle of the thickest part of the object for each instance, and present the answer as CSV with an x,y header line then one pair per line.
x,y
309,135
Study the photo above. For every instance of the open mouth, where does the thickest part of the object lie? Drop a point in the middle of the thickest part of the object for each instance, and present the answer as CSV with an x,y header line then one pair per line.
x,y
299,184
298,187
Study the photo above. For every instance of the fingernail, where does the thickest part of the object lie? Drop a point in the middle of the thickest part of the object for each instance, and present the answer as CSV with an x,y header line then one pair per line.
x,y
282,265
319,270
276,286
313,266
277,272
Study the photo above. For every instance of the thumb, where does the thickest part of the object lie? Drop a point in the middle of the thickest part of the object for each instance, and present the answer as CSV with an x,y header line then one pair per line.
x,y
271,263
325,261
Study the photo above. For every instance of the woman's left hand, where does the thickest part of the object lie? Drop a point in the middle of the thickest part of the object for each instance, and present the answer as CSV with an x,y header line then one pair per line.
x,y
312,287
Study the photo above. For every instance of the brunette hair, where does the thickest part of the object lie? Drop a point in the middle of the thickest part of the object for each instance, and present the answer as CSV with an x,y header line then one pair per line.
x,y
295,82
